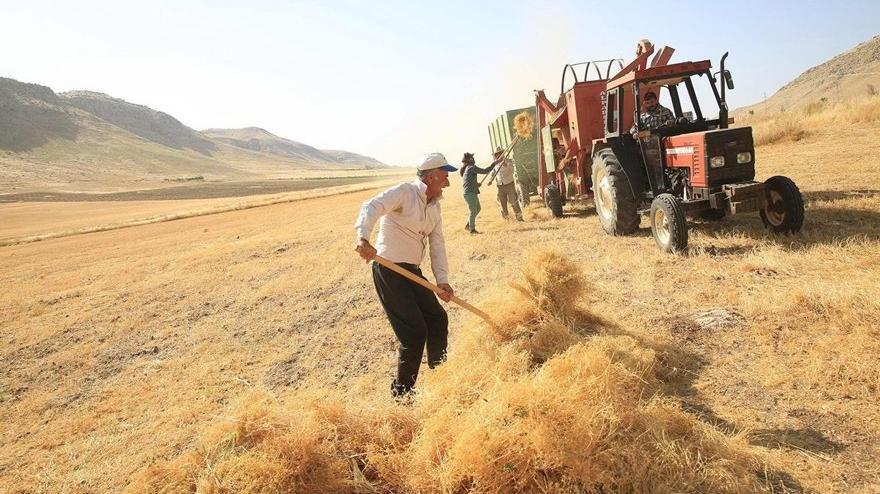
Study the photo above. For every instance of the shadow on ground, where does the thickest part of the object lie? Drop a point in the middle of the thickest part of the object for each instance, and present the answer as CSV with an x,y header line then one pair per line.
x,y
837,195
679,370
684,368
800,439
823,225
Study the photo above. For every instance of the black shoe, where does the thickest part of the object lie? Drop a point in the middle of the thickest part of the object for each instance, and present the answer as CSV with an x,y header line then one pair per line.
x,y
520,219
400,392
467,227
475,232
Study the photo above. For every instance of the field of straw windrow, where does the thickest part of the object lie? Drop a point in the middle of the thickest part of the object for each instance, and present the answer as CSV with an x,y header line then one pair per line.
x,y
245,351
38,216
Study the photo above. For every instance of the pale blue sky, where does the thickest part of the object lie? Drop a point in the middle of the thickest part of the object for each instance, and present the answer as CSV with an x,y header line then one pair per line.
x,y
395,79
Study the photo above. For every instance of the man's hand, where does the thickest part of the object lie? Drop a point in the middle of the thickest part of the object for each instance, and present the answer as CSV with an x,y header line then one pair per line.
x,y
366,251
448,292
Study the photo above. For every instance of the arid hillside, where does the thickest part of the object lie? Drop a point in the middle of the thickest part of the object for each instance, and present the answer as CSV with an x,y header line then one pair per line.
x,y
84,140
839,94
852,76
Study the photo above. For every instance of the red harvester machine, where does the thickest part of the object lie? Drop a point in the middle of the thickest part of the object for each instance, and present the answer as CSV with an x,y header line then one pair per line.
x,y
593,144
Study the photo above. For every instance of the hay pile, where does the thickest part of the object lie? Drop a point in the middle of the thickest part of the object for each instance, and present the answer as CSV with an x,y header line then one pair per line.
x,y
549,402
523,125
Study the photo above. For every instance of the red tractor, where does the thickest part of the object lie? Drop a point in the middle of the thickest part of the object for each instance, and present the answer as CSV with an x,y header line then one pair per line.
x,y
594,144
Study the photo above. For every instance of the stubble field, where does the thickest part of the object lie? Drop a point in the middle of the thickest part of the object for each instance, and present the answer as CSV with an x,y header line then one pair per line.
x,y
121,348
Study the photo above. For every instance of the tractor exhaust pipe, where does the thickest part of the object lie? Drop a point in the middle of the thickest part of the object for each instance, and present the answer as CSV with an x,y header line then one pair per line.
x,y
723,77
722,116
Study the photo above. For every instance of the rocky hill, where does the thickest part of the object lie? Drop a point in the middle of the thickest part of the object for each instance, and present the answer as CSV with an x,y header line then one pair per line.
x,y
854,74
31,115
84,140
142,121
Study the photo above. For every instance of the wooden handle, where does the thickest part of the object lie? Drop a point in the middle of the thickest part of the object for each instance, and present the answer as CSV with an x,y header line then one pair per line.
x,y
503,157
430,286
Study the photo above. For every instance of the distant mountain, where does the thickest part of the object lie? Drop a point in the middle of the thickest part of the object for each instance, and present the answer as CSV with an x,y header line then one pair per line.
x,y
854,73
354,159
83,140
257,139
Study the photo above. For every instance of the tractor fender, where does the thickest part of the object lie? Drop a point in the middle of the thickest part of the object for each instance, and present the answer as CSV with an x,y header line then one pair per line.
x,y
598,145
632,168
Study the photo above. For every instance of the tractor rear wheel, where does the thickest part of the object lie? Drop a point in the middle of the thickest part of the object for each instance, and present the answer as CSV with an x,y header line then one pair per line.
x,y
615,203
784,212
669,223
553,199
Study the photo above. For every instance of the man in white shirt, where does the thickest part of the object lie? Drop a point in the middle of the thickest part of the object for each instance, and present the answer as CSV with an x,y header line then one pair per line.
x,y
506,182
409,222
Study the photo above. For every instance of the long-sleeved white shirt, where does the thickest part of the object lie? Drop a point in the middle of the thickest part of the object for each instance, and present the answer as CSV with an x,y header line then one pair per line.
x,y
407,224
506,172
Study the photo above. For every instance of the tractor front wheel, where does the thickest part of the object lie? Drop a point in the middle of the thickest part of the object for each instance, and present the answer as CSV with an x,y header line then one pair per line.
x,y
784,211
615,203
669,223
553,199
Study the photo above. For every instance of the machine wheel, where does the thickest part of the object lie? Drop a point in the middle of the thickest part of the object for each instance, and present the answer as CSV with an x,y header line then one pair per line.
x,y
784,212
615,203
553,199
669,223
713,214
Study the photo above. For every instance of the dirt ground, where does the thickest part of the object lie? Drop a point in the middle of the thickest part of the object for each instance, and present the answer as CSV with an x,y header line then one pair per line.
x,y
196,190
119,347
39,220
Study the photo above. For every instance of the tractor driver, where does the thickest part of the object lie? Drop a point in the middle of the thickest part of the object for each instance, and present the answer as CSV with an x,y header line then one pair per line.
x,y
655,115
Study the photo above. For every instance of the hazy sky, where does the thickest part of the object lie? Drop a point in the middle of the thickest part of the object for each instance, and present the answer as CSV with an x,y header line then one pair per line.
x,y
394,80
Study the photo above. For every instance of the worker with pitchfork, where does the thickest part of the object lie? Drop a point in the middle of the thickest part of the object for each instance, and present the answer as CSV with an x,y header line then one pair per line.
x,y
471,188
506,182
409,223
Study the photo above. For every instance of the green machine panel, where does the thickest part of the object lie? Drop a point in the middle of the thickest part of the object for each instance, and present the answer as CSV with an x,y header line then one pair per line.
x,y
525,151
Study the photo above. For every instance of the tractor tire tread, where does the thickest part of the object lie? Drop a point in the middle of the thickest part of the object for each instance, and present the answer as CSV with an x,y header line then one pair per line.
x,y
627,218
678,230
794,205
554,200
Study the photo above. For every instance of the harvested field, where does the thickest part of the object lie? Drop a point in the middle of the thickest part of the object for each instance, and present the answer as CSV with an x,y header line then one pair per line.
x,y
33,221
254,338
201,190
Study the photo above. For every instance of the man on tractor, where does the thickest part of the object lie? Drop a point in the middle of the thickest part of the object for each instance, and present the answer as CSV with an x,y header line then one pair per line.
x,y
655,115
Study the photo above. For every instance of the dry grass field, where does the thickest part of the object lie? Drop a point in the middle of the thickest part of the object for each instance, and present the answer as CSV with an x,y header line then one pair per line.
x,y
246,351
43,217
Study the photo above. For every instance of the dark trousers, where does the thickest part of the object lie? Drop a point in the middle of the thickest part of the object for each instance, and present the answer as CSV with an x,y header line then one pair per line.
x,y
418,320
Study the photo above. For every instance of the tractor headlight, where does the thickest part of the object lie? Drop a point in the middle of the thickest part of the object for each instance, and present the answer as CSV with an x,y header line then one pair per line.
x,y
716,161
743,157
